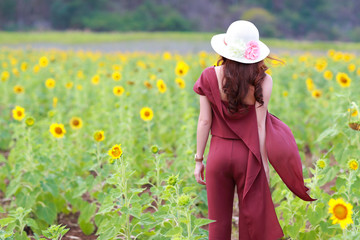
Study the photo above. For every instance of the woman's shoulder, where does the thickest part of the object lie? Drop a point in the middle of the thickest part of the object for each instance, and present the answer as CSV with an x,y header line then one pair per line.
x,y
207,71
202,85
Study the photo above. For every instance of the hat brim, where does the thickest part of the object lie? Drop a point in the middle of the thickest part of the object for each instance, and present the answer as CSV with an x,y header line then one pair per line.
x,y
218,44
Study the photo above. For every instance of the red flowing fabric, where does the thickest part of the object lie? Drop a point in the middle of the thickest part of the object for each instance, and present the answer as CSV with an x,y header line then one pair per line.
x,y
282,151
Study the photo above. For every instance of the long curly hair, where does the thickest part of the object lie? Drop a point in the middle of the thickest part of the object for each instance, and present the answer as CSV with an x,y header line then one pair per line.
x,y
237,78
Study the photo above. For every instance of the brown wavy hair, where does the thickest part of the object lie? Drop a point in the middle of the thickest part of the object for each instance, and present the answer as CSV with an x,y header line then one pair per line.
x,y
237,78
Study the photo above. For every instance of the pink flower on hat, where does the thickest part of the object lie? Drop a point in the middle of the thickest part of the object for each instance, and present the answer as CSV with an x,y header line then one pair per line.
x,y
252,51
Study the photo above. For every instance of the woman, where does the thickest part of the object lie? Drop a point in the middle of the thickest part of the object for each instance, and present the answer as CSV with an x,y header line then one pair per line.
x,y
233,103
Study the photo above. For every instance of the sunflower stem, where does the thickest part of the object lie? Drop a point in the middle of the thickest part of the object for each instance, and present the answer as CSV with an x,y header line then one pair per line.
x,y
149,132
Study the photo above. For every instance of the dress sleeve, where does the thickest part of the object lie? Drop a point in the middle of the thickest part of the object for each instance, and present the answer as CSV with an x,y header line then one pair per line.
x,y
201,86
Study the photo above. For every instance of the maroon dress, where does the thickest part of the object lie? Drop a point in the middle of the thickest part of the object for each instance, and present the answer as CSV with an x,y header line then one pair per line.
x,y
234,160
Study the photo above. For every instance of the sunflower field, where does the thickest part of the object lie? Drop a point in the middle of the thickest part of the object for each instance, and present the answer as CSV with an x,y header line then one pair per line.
x,y
109,139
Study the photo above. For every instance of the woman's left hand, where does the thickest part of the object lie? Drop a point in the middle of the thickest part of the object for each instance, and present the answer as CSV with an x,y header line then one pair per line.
x,y
199,171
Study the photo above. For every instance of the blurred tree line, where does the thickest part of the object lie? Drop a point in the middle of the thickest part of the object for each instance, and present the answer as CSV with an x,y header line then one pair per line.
x,y
305,19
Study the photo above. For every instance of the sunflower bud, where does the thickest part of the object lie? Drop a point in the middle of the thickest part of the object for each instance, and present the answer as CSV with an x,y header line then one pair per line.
x,y
353,164
172,180
321,163
184,200
51,113
154,149
29,121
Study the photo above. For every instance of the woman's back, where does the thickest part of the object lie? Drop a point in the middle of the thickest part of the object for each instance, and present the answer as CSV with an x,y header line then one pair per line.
x,y
249,99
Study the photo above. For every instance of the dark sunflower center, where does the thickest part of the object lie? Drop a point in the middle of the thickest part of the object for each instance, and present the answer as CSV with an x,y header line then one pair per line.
x,y
116,151
58,130
340,211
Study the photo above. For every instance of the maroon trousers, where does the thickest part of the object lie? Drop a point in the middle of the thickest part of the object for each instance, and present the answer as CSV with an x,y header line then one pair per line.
x,y
225,169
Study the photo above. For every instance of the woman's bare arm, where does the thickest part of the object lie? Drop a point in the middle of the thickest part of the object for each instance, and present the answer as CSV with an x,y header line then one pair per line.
x,y
203,127
261,118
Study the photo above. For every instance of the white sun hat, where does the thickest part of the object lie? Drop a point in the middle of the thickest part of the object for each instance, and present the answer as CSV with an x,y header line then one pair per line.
x,y
240,43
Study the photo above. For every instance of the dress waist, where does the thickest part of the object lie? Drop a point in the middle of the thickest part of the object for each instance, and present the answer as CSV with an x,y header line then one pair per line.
x,y
225,137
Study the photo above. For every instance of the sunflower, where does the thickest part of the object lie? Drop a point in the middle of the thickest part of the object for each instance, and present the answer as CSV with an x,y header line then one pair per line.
x,y
116,76
146,114
148,84
99,136
202,63
130,82
167,55
331,52
152,77
95,80
55,101
285,93
341,212
310,84
79,87
57,130
354,112
161,85
353,164
18,113
338,56
316,93
43,61
16,72
118,90
115,152
181,68
18,89
328,75
295,76
5,76
80,74
24,66
180,82
36,68
76,123
343,79
116,67
141,64
320,65
50,83
69,85
351,67
268,71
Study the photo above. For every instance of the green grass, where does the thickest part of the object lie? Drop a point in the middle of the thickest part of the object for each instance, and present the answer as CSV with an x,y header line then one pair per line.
x,y
78,37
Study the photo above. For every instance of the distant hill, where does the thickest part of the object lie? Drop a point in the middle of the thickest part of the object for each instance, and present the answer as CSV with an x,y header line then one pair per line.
x,y
305,19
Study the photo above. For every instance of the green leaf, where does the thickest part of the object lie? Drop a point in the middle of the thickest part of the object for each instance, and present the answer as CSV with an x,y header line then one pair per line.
x,y
5,221
202,221
33,225
12,187
47,212
173,232
87,212
50,186
327,133
187,189
87,227
24,200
